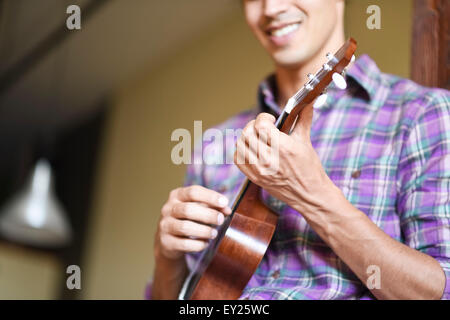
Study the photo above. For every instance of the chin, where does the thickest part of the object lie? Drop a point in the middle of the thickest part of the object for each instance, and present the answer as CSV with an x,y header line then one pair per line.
x,y
289,59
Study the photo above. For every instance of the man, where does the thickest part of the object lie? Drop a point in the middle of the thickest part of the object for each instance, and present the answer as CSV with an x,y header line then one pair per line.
x,y
363,184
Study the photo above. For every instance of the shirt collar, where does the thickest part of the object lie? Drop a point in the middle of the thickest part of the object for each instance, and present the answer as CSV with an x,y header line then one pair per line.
x,y
267,93
364,72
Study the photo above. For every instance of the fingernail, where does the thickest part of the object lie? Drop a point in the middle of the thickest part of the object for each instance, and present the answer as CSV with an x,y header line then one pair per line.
x,y
213,233
220,219
223,201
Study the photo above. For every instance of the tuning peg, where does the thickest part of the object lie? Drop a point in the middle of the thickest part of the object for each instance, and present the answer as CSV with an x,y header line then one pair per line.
x,y
331,57
327,67
308,87
320,101
339,81
312,79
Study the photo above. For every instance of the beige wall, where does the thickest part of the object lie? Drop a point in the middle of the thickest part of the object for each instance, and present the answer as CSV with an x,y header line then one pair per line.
x,y
212,79
29,274
389,46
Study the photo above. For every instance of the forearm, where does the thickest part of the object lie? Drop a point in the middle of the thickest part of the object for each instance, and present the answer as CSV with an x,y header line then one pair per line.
x,y
168,277
405,273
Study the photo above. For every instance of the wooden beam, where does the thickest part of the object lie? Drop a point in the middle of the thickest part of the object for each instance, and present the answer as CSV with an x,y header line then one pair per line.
x,y
12,75
430,63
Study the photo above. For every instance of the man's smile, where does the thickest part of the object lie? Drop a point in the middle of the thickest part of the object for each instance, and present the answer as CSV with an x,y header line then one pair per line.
x,y
281,34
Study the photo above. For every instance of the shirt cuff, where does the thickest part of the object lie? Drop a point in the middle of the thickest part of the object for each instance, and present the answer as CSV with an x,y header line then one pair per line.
x,y
445,265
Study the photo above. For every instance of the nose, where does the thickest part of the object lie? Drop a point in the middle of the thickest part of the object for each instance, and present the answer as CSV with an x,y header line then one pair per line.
x,y
273,8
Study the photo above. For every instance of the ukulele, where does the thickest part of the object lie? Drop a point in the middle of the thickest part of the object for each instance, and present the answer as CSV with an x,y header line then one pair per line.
x,y
227,264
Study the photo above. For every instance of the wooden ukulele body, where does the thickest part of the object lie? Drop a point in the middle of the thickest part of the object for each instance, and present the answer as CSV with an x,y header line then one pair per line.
x,y
240,251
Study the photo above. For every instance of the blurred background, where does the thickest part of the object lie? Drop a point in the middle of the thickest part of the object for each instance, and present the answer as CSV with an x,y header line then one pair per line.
x,y
86,118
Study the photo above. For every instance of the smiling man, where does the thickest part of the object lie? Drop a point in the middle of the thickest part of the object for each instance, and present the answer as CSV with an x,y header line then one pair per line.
x,y
363,182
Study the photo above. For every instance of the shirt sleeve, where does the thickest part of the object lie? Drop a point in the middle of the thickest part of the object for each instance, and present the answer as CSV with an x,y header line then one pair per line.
x,y
194,169
424,177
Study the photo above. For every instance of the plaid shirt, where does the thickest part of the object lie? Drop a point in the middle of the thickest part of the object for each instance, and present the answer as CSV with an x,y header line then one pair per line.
x,y
385,142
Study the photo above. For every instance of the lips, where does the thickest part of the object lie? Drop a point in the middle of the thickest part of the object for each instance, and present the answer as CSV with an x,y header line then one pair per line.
x,y
283,30
281,34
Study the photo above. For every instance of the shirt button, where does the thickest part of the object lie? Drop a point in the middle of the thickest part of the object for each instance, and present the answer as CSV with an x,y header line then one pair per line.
x,y
276,274
356,174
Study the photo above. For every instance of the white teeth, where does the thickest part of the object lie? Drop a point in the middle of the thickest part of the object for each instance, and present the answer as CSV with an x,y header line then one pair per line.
x,y
285,30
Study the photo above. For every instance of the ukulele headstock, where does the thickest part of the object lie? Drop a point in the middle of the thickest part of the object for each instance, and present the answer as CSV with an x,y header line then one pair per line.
x,y
333,70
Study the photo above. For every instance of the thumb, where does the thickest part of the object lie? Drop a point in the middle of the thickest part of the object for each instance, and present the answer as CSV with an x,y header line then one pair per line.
x,y
302,127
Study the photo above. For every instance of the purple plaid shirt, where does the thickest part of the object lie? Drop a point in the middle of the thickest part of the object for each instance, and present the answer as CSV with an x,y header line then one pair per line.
x,y
385,142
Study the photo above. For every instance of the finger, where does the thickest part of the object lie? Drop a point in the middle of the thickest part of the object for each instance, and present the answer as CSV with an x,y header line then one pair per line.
x,y
264,121
249,137
258,150
265,128
183,244
204,195
249,128
186,228
245,169
264,116
250,140
198,213
225,210
240,155
247,154
261,144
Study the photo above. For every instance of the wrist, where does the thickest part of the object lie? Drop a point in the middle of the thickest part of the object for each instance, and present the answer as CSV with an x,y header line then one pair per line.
x,y
169,275
326,209
321,197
